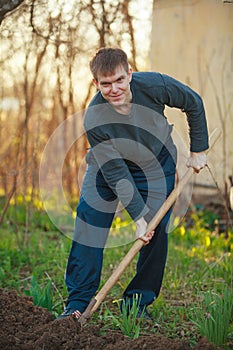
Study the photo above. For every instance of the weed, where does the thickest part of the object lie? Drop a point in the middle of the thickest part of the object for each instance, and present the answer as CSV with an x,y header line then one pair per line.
x,y
213,317
41,297
127,320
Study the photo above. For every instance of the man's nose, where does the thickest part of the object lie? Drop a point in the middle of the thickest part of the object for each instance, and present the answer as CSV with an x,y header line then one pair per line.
x,y
114,87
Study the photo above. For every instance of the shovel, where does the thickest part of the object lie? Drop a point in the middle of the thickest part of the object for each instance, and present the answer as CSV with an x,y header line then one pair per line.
x,y
138,244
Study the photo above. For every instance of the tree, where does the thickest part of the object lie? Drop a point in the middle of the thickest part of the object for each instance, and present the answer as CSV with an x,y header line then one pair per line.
x,y
44,65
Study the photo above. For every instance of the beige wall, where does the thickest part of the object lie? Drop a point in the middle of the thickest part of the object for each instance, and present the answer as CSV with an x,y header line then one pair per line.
x,y
192,40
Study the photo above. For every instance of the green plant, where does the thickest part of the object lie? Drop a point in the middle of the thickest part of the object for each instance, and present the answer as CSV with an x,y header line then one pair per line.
x,y
41,297
127,320
213,317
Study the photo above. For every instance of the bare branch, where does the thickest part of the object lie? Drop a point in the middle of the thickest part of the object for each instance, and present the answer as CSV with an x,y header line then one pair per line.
x,y
35,31
7,6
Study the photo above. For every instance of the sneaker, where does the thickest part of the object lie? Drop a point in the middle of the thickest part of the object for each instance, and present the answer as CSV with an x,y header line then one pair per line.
x,y
70,312
77,314
144,314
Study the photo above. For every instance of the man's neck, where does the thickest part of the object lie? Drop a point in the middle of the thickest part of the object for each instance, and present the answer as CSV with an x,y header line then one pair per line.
x,y
123,109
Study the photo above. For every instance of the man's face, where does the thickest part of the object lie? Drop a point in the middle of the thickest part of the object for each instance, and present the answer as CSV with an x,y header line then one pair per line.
x,y
115,88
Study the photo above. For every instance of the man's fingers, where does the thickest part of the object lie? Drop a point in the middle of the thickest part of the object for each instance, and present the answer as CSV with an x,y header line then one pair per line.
x,y
147,238
141,227
197,161
197,168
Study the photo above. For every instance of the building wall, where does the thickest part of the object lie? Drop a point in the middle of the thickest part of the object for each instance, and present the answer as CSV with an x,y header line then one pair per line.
x,y
192,40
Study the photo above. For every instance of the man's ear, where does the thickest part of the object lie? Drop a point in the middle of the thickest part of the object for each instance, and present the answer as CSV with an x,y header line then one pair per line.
x,y
95,82
130,72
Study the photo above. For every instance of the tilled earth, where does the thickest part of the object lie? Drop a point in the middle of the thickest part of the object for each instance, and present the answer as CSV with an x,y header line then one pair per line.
x,y
27,327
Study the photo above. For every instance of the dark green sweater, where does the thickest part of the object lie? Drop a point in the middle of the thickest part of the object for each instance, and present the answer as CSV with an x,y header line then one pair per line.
x,y
119,140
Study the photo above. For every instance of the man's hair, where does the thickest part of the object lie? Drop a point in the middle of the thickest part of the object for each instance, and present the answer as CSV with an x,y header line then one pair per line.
x,y
106,60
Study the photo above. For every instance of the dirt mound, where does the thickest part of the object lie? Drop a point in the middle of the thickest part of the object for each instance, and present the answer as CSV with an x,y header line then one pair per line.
x,y
26,327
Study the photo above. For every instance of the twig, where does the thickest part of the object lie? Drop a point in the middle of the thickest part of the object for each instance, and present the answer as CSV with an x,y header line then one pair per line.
x,y
221,194
8,200
215,263
56,289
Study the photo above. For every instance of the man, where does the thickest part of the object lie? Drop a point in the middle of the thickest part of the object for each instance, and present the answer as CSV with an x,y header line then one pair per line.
x,y
133,160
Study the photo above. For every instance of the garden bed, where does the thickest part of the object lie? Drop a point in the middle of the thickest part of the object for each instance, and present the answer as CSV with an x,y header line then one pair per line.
x,y
24,326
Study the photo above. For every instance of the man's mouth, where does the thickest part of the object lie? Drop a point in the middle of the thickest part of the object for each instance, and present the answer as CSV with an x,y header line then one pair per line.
x,y
116,97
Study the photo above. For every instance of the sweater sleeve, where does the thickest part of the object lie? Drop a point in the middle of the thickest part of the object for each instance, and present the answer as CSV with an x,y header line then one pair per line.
x,y
116,174
182,97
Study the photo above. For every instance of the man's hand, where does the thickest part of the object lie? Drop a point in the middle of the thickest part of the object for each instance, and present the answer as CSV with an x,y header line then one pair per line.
x,y
197,161
141,226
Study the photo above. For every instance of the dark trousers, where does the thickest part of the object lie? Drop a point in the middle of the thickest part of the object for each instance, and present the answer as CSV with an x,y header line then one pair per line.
x,y
92,227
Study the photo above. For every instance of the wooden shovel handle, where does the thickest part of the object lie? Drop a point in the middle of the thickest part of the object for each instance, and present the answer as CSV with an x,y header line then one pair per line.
x,y
138,244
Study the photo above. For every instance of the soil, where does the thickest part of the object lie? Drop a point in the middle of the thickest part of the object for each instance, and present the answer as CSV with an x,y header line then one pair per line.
x,y
24,326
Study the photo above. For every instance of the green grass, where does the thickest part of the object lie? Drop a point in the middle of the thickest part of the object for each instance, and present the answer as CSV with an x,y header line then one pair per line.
x,y
44,256
199,265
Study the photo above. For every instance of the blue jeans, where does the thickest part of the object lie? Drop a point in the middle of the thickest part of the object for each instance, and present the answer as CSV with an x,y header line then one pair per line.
x,y
92,226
